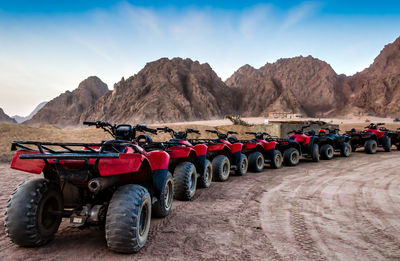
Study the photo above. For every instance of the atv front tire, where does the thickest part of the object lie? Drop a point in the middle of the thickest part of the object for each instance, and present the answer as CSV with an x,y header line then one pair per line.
x,y
221,168
162,207
345,150
291,157
327,152
387,143
370,146
128,219
315,153
206,177
256,161
33,213
185,181
276,161
243,164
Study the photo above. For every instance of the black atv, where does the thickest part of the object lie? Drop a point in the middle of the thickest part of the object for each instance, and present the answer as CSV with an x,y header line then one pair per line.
x,y
330,142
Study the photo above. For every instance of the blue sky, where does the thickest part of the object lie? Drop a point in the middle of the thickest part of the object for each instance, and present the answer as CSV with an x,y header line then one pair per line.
x,y
48,47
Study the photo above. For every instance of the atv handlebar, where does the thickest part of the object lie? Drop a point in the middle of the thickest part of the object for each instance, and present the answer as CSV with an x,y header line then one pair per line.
x,y
190,130
98,124
144,128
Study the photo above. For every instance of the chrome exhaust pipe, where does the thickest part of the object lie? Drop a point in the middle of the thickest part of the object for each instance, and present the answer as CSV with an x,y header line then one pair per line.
x,y
98,184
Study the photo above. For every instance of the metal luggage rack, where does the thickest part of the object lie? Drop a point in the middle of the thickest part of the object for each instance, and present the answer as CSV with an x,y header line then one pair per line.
x,y
199,141
162,145
68,151
276,139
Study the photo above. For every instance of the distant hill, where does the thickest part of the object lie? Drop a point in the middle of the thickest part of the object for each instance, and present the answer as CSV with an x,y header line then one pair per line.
x,y
5,118
171,90
66,109
21,119
310,86
165,91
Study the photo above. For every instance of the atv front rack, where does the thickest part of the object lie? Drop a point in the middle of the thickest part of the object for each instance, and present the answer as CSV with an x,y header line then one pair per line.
x,y
68,150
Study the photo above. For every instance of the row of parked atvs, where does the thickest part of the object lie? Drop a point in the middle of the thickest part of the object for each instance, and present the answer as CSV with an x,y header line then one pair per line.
x,y
120,184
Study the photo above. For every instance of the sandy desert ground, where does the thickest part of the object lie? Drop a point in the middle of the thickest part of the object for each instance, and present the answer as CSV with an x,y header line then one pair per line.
x,y
343,209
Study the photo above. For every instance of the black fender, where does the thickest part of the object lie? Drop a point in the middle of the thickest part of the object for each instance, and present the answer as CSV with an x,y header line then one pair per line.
x,y
159,176
235,157
310,145
268,154
201,164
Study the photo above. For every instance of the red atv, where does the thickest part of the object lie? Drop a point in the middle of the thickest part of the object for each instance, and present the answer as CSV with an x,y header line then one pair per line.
x,y
113,183
260,151
224,155
188,163
289,149
395,138
308,143
394,135
371,138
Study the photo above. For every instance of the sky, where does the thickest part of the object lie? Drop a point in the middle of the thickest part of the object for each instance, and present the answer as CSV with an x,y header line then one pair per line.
x,y
49,47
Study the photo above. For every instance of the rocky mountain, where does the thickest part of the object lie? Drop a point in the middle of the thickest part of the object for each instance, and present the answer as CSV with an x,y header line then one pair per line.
x,y
66,109
21,119
301,85
377,88
5,118
165,91
310,86
171,90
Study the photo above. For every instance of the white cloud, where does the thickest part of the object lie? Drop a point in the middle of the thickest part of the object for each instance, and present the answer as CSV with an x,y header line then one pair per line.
x,y
299,13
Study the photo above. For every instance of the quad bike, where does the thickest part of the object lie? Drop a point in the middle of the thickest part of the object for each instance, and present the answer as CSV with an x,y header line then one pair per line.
x,y
371,138
225,154
290,149
188,164
260,151
114,184
394,135
330,142
308,143
395,138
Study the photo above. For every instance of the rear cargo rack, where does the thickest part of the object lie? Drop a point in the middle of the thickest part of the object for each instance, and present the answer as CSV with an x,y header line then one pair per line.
x,y
62,150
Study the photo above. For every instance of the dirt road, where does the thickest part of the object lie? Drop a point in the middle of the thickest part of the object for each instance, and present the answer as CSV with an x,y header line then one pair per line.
x,y
343,209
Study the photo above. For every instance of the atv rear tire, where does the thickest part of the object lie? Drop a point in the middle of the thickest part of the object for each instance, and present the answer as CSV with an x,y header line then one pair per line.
x,y
128,219
206,177
398,147
315,153
256,161
162,207
242,166
327,152
276,161
33,213
345,149
185,181
387,143
291,157
370,146
221,168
